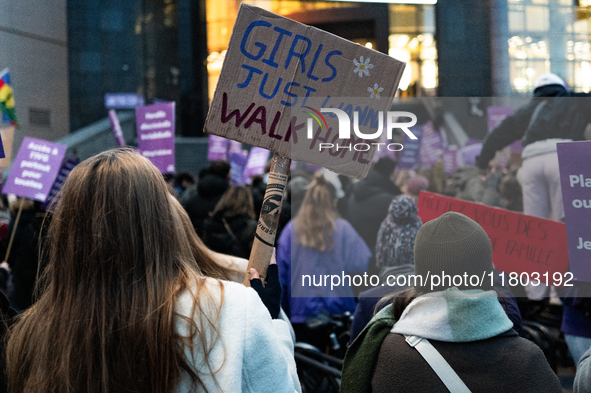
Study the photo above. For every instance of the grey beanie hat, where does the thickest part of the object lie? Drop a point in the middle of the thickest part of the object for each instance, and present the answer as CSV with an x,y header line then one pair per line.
x,y
455,245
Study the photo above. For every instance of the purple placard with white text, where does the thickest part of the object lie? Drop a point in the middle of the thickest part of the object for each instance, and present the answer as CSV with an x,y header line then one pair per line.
x,y
409,156
467,154
116,128
450,160
235,147
34,169
238,162
496,114
574,159
155,134
67,166
217,149
431,145
257,159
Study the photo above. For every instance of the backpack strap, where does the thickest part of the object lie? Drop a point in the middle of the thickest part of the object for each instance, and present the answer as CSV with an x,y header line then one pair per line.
x,y
448,376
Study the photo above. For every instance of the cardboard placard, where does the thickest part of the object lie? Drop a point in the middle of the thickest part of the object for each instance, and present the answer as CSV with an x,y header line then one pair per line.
x,y
277,70
520,243
217,148
574,160
116,128
155,134
34,169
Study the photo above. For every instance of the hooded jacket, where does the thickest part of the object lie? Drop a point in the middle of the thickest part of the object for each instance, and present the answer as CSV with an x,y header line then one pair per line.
x,y
562,117
210,189
368,205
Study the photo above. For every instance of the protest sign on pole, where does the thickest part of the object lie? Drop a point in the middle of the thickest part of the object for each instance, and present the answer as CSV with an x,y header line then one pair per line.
x,y
155,134
520,243
238,162
496,115
409,156
235,147
450,160
217,148
116,128
278,76
34,169
574,159
431,148
467,155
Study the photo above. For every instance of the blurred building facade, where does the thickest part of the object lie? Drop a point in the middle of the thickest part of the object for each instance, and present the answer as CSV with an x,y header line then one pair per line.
x,y
33,45
174,49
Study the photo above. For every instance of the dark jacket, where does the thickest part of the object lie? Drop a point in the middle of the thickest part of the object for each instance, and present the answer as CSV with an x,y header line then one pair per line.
x,y
368,205
562,117
380,361
210,189
236,241
505,363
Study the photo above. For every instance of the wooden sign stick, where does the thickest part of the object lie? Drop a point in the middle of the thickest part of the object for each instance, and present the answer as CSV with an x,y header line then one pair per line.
x,y
18,216
264,241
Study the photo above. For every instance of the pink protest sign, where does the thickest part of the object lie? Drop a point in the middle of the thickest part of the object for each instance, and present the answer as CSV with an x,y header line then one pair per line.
x,y
218,148
155,134
35,168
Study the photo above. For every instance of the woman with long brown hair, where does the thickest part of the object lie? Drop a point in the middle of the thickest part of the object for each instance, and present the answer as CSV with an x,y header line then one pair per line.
x,y
315,244
126,307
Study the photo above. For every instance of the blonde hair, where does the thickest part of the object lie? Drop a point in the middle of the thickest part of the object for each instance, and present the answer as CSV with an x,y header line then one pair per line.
x,y
315,222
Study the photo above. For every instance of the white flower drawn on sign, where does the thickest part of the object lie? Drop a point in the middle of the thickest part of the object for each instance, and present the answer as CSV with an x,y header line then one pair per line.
x,y
362,67
375,91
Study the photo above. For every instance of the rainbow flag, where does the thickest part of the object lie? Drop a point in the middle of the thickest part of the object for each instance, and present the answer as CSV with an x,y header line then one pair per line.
x,y
7,99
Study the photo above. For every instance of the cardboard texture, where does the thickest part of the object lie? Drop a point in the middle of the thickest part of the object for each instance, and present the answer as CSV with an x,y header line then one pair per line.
x,y
520,243
277,70
574,160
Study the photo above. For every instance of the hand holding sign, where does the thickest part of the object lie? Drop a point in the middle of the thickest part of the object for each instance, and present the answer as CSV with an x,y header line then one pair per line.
x,y
279,75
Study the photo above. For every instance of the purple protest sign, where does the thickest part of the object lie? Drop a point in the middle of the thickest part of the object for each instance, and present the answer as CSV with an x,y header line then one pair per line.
x,y
238,162
155,134
235,147
467,154
431,146
217,149
116,127
67,166
409,156
257,159
574,159
450,160
34,169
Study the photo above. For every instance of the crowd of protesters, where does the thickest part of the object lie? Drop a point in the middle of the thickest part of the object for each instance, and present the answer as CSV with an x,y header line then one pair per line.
x,y
132,283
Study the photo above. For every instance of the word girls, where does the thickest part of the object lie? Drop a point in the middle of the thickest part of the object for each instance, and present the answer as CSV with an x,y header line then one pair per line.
x,y
299,51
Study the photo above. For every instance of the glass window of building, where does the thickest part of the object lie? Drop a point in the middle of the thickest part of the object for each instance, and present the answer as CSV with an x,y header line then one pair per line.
x,y
549,36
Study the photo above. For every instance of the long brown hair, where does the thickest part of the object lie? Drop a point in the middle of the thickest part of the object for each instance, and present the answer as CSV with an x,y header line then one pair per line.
x,y
236,201
117,263
315,222
208,265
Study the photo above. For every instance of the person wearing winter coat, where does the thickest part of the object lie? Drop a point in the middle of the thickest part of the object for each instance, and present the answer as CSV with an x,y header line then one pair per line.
x,y
212,183
231,227
126,307
464,324
554,115
318,243
369,201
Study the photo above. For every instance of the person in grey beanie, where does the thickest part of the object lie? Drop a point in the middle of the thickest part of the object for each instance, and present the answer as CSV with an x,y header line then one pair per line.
x,y
446,334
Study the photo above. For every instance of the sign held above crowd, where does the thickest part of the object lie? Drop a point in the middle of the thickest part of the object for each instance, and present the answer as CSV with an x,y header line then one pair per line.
x,y
278,74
